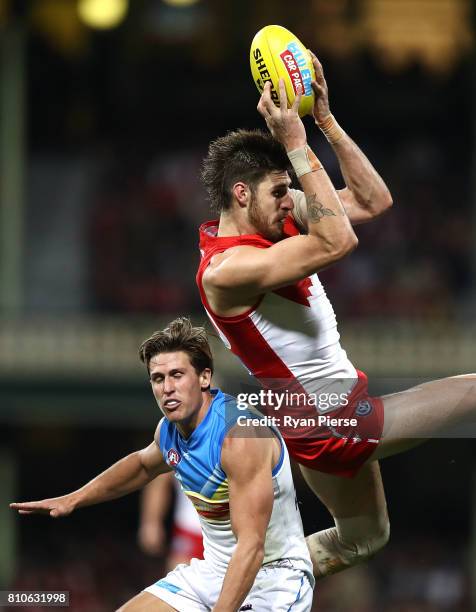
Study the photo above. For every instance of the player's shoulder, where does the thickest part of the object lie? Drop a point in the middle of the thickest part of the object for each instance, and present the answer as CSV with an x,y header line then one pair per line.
x,y
160,426
248,445
230,411
221,256
299,213
296,194
225,406
222,272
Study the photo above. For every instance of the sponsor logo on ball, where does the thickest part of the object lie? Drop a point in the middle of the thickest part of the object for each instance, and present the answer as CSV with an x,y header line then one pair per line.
x,y
293,71
296,64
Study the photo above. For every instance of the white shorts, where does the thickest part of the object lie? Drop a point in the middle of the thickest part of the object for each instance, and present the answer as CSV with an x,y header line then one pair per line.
x,y
196,587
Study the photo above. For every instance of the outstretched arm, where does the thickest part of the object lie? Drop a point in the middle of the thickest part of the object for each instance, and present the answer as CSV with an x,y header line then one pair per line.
x,y
127,475
366,196
248,465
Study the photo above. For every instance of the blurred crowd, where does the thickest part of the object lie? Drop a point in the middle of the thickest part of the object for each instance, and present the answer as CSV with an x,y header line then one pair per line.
x,y
131,112
414,262
117,124
143,237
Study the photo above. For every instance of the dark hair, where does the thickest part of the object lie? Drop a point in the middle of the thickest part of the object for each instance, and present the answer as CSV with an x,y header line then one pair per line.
x,y
243,155
180,335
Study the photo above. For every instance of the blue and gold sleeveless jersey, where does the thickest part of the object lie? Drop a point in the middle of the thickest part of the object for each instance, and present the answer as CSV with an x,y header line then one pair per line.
x,y
196,461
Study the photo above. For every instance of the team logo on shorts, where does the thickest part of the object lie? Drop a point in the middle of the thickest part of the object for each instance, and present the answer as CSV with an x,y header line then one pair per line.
x,y
173,457
246,607
364,408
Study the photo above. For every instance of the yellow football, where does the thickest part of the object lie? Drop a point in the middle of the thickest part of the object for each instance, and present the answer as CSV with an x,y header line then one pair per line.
x,y
276,53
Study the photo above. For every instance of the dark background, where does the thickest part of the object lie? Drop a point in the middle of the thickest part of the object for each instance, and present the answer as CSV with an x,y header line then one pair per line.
x,y
102,133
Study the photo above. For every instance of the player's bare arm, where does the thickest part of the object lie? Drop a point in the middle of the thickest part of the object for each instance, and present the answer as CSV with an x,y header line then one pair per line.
x,y
326,215
125,476
366,196
237,277
248,463
244,273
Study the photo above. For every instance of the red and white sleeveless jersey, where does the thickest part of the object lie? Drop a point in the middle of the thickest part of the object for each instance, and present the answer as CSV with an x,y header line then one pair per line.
x,y
290,334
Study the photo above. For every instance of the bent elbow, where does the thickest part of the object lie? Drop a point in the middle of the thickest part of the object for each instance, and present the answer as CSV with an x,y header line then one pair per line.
x,y
252,548
346,246
259,552
351,244
387,201
384,204
338,250
327,252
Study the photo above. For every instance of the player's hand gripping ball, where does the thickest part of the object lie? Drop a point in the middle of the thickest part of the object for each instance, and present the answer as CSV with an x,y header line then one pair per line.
x,y
276,53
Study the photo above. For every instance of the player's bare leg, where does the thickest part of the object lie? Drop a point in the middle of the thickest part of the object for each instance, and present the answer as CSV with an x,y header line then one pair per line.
x,y
359,510
358,505
428,410
146,602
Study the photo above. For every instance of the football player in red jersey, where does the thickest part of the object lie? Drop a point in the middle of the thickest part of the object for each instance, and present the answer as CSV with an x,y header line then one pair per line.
x,y
262,254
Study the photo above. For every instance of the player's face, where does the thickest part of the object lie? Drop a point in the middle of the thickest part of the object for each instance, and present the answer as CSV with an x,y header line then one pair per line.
x,y
270,205
177,387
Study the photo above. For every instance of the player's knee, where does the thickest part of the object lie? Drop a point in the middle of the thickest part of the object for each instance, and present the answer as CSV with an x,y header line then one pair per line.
x,y
363,536
375,540
332,551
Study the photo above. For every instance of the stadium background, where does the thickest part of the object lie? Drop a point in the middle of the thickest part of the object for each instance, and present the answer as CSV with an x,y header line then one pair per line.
x,y
101,136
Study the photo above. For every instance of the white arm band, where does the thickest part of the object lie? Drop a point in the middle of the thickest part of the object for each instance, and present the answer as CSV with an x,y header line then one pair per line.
x,y
304,161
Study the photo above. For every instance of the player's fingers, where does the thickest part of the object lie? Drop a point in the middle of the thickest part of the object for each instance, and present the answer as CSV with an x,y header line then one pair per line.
x,y
263,111
29,507
319,71
318,89
317,64
297,101
265,104
283,99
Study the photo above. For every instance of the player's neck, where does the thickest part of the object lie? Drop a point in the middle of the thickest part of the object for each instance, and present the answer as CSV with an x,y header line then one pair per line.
x,y
188,426
234,225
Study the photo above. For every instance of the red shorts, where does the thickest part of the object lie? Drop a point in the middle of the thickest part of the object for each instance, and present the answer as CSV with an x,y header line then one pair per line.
x,y
342,449
186,543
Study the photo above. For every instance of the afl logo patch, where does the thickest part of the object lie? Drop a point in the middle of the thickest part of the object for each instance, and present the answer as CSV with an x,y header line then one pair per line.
x,y
173,458
364,408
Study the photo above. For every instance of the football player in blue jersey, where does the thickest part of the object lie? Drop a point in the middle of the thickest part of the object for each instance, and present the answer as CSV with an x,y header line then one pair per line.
x,y
237,476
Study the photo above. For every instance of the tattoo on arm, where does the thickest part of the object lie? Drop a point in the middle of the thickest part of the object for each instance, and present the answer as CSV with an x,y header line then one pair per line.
x,y
316,210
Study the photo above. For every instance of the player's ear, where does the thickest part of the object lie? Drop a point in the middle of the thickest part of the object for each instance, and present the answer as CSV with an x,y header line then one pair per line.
x,y
241,193
205,378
